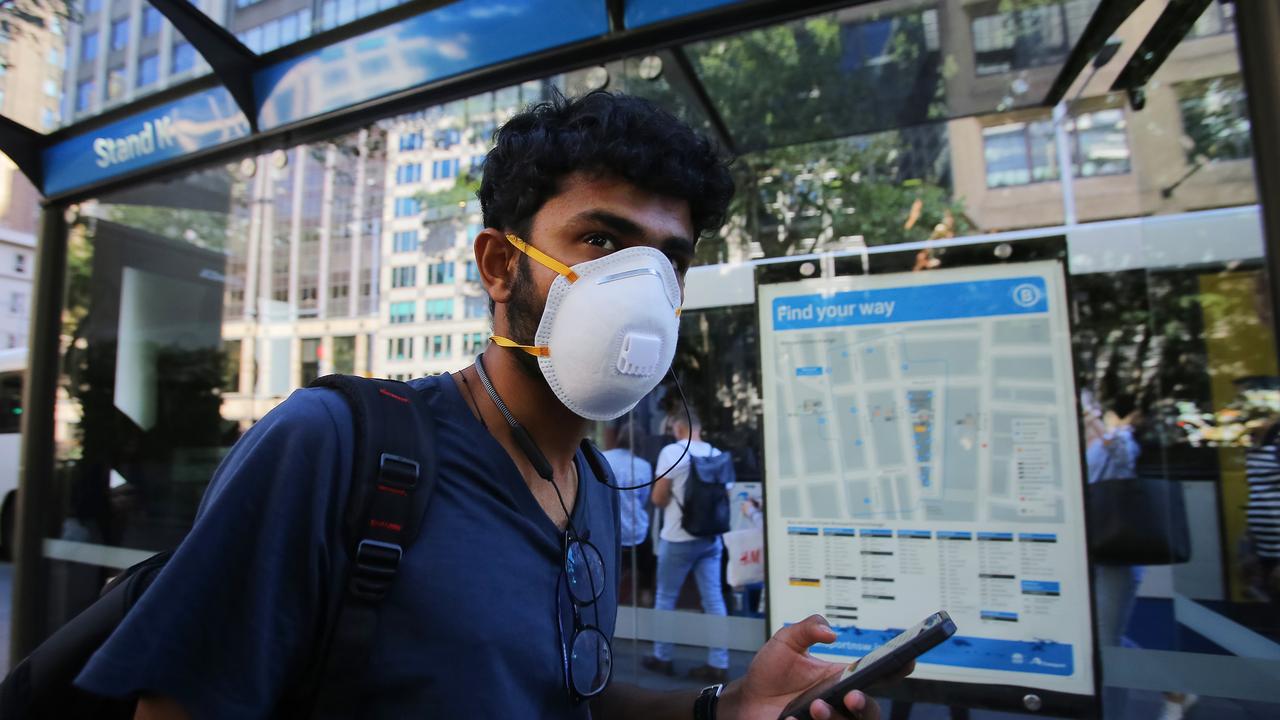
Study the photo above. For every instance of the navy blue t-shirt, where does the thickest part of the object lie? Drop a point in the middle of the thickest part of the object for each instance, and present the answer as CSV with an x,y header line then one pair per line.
x,y
468,630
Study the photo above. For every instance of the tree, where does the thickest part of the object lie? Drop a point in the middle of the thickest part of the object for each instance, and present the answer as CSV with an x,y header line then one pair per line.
x,y
824,165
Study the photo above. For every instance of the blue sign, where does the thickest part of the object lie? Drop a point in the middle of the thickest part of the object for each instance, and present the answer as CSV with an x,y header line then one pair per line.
x,y
647,12
1028,656
194,123
944,301
447,41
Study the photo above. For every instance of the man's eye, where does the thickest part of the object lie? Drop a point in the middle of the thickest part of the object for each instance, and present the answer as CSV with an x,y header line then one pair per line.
x,y
602,240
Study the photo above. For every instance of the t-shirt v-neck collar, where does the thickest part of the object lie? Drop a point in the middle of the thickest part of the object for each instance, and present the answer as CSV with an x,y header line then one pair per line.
x,y
510,473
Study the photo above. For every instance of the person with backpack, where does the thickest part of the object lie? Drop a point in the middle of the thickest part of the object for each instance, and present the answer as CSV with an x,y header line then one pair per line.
x,y
470,569
694,497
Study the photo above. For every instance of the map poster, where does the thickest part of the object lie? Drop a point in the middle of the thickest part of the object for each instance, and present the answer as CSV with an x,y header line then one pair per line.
x,y
922,454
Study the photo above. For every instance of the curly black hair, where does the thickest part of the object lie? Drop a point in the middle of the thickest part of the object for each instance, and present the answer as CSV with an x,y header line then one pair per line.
x,y
610,133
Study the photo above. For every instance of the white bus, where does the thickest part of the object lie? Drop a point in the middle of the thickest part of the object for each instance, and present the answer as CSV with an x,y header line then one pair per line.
x,y
13,374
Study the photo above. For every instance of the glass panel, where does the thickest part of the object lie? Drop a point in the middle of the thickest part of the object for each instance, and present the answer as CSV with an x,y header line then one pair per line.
x,y
197,304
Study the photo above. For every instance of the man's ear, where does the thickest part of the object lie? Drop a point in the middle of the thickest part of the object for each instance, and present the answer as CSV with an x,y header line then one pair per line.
x,y
496,261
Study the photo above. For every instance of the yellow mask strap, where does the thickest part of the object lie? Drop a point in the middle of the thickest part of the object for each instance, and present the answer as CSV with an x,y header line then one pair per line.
x,y
534,350
543,258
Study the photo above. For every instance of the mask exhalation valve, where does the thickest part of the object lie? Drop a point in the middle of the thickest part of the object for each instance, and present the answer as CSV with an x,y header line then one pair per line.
x,y
640,354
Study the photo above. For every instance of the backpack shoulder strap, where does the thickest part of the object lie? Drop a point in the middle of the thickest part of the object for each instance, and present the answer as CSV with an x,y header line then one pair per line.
x,y
596,461
393,476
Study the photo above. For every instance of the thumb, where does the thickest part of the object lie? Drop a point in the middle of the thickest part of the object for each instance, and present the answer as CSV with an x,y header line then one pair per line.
x,y
801,635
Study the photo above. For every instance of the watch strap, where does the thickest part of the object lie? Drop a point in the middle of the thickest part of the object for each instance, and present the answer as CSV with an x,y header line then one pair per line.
x,y
704,708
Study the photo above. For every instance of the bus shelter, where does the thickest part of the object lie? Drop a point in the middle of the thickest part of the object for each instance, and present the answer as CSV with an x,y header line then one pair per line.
x,y
244,196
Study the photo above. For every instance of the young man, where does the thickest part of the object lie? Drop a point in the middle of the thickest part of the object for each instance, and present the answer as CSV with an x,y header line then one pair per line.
x,y
478,621
680,553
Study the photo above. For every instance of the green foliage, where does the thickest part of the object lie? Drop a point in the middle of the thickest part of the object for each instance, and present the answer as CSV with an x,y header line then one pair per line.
x,y
463,191
199,227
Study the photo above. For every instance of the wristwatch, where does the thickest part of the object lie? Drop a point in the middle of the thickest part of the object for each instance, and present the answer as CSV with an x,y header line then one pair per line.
x,y
704,708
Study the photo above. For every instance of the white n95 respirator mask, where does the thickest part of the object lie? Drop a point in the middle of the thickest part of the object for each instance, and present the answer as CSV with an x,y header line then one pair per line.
x,y
609,329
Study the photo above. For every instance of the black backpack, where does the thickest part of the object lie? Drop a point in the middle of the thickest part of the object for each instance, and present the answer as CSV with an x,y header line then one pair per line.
x,y
704,511
392,480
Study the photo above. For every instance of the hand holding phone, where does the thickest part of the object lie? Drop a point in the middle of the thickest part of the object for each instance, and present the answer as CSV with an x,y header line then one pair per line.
x,y
877,666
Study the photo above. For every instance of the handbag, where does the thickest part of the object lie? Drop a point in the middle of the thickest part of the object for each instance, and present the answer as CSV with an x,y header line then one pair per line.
x,y
1138,521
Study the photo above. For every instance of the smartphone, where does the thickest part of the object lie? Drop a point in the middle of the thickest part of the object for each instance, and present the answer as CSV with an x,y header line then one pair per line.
x,y
878,665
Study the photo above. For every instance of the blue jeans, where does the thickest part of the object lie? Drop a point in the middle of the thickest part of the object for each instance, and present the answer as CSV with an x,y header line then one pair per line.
x,y
675,560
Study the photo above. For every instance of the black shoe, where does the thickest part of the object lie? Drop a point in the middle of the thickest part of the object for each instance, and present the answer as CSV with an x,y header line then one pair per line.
x,y
653,664
709,674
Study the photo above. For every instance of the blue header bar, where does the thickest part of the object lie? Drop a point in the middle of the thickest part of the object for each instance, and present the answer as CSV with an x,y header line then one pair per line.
x,y
191,124
848,532
799,530
876,532
922,534
945,301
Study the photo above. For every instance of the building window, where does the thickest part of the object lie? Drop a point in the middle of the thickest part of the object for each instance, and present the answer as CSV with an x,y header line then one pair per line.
x,y
48,118
184,57
473,271
1027,37
402,312
1025,152
55,57
1215,119
1019,153
148,69
1100,143
411,141
231,366
85,91
407,207
473,343
51,88
89,46
151,18
120,34
344,354
115,82
405,241
444,169
400,348
440,309
476,307
310,360
408,174
17,303
403,277
20,263
440,273
441,346
447,138
92,7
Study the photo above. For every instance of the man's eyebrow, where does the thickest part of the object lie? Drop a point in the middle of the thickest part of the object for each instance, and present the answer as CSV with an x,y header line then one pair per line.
x,y
616,223
623,226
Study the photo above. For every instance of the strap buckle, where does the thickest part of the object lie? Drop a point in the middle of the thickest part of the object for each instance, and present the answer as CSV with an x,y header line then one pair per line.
x,y
376,564
397,471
